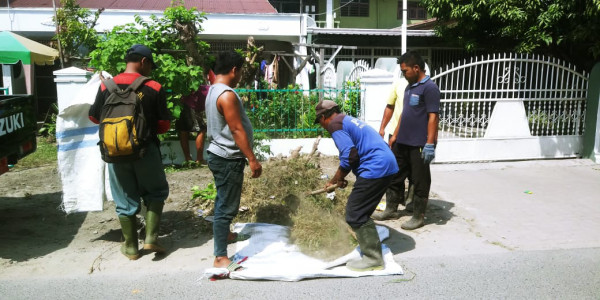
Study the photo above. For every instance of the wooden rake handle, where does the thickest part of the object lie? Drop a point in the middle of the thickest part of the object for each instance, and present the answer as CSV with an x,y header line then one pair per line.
x,y
324,190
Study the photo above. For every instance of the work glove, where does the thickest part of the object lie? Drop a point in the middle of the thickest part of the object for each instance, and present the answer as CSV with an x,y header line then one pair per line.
x,y
428,153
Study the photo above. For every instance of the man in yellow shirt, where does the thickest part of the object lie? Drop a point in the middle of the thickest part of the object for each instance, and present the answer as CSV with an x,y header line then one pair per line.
x,y
391,118
393,109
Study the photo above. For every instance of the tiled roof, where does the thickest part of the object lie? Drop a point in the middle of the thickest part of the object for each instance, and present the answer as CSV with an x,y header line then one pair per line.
x,y
208,6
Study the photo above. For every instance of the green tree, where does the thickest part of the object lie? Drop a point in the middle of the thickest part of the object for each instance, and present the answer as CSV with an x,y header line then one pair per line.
x,y
566,29
76,32
251,65
179,53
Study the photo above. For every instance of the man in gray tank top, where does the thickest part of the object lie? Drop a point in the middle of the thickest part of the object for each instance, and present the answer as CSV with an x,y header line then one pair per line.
x,y
230,144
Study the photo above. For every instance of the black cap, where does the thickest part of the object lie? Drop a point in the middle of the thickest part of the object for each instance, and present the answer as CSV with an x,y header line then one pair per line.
x,y
143,51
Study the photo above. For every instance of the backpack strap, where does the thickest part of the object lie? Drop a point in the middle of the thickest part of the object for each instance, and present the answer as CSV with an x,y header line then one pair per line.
x,y
135,85
110,85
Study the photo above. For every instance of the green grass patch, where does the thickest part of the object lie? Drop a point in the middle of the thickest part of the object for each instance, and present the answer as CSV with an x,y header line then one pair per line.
x,y
45,154
186,165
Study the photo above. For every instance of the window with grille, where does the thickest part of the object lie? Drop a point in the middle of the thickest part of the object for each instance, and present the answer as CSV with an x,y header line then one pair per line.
x,y
354,8
414,11
293,6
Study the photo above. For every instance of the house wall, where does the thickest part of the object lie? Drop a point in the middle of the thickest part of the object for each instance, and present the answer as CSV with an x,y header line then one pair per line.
x,y
275,31
382,15
280,27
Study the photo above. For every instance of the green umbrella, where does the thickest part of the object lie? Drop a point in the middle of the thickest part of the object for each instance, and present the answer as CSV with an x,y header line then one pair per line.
x,y
15,48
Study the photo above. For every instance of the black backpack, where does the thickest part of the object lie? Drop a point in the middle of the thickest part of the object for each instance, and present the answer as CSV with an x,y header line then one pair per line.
x,y
124,131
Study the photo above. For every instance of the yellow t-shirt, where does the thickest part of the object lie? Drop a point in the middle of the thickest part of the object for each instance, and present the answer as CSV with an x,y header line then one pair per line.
x,y
396,99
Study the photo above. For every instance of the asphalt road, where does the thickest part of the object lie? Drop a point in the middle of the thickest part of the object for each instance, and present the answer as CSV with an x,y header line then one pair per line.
x,y
554,274
519,230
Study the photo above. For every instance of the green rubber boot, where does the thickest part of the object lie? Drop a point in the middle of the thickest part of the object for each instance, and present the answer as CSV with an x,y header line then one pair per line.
x,y
418,218
153,213
392,200
370,246
129,247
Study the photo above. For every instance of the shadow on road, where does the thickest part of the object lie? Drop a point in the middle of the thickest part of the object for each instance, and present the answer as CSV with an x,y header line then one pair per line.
x,y
178,230
182,229
438,212
398,242
33,226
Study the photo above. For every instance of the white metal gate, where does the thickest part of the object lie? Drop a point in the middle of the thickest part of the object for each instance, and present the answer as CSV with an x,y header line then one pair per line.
x,y
510,107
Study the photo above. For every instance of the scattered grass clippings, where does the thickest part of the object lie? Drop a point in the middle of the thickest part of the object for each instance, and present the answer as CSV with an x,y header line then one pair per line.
x,y
280,196
413,275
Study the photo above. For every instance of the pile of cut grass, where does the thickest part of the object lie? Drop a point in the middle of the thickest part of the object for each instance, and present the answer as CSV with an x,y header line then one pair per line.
x,y
280,196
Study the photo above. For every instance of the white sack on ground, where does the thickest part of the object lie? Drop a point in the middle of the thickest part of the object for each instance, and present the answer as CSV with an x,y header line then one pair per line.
x,y
79,163
272,257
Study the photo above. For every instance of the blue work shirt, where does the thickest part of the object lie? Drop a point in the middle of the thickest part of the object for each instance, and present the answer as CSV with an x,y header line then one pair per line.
x,y
420,99
362,149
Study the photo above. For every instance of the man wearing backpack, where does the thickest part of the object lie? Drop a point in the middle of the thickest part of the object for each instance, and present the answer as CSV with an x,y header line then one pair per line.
x,y
140,175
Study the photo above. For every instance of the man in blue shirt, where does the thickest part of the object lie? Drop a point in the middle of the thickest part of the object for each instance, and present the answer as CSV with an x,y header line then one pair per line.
x,y
417,131
363,152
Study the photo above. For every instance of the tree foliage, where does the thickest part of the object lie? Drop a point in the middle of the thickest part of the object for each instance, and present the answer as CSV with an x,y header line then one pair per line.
x,y
76,32
251,65
179,71
566,29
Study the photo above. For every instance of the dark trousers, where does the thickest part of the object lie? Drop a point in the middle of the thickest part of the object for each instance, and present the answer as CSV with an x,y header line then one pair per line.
x,y
364,198
229,176
411,164
145,178
398,180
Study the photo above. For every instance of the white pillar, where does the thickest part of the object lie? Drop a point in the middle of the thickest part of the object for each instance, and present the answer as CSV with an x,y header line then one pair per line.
x,y
594,107
596,156
302,77
376,84
68,83
404,22
329,14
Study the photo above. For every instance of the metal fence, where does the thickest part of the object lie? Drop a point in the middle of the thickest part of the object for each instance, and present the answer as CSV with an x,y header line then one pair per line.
x,y
510,106
290,113
550,94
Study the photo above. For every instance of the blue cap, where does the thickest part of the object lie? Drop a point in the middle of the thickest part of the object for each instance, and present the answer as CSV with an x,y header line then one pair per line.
x,y
143,51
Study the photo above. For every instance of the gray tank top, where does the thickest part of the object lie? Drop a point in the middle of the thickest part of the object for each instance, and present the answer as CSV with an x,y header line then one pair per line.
x,y
220,140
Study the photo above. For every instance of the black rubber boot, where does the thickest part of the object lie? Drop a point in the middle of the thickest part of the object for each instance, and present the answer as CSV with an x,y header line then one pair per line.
x,y
392,200
154,211
129,247
410,195
370,246
418,218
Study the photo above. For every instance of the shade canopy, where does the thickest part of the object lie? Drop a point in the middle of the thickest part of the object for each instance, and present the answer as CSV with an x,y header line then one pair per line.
x,y
15,48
